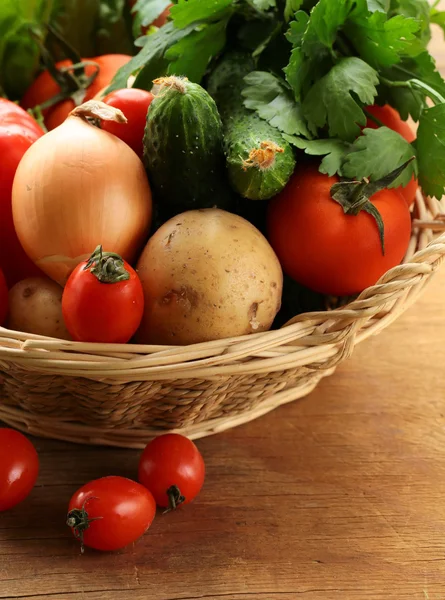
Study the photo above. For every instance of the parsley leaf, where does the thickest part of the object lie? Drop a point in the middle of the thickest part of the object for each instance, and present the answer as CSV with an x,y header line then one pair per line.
x,y
291,7
297,28
330,100
382,42
273,102
191,11
263,5
206,43
326,19
333,150
378,5
417,9
431,151
377,153
146,11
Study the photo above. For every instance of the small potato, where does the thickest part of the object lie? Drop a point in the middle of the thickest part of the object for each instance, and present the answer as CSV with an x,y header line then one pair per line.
x,y
35,306
207,274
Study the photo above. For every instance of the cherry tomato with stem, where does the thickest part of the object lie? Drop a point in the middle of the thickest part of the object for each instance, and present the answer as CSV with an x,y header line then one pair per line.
x,y
390,118
103,300
172,468
45,88
134,104
110,513
19,468
18,131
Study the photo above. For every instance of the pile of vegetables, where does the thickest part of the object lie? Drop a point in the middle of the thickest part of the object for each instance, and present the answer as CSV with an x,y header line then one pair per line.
x,y
112,512
207,147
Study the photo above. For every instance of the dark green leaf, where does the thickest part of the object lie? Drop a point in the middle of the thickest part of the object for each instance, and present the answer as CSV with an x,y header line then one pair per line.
x,y
332,100
333,150
297,28
190,56
431,151
187,12
417,9
382,42
152,54
147,11
273,101
377,153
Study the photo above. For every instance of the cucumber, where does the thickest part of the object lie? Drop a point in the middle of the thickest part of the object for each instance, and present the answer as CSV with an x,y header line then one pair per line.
x,y
183,149
259,160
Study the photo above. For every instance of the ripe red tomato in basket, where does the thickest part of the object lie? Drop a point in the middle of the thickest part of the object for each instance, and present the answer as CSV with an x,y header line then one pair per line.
x,y
391,119
19,468
172,468
134,104
110,513
18,131
3,298
45,88
325,249
103,300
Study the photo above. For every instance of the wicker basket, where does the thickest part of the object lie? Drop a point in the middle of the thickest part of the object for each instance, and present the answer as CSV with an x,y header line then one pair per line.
x,y
123,395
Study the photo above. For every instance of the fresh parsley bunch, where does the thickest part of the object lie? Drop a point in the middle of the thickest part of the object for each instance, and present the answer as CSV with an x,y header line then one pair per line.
x,y
319,65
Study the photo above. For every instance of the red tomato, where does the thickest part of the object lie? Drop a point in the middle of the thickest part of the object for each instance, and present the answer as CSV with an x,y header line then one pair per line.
x,y
19,468
18,130
327,250
172,468
110,513
134,104
391,118
3,298
101,309
45,87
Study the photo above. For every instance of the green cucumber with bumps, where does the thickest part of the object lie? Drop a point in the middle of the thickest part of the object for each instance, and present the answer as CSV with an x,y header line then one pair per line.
x,y
259,160
183,149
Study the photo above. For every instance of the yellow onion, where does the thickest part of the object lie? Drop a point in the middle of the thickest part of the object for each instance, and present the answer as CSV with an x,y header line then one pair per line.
x,y
77,187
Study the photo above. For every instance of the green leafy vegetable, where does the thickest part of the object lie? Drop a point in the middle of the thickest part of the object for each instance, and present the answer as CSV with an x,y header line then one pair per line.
x,y
147,11
417,9
291,7
273,101
330,101
333,150
377,153
431,151
263,4
187,12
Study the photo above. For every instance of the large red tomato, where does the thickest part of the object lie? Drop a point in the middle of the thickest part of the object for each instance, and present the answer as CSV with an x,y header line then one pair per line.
x,y
19,468
45,87
391,119
18,130
327,250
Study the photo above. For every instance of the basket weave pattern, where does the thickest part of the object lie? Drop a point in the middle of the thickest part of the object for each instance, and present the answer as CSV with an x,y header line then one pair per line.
x,y
123,395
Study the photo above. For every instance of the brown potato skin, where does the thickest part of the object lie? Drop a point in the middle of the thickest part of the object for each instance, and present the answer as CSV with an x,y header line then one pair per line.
x,y
207,274
35,306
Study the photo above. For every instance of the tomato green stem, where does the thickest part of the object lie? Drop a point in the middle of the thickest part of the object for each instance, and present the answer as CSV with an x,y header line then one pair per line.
x,y
175,498
108,267
79,521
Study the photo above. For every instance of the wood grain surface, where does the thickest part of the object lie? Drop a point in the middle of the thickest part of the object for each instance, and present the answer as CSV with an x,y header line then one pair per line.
x,y
340,496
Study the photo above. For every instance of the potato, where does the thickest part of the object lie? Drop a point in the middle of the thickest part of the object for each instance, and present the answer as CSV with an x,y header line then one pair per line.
x,y
207,274
35,306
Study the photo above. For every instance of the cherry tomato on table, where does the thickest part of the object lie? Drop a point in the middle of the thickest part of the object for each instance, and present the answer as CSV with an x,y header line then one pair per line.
x,y
103,300
18,131
172,468
19,468
110,513
45,87
391,119
325,249
3,298
134,104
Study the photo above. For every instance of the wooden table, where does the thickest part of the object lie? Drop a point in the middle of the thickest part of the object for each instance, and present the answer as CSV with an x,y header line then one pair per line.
x,y
340,496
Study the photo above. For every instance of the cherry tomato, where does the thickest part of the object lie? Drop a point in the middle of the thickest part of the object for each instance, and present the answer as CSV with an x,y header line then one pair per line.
x,y
327,250
391,119
103,300
19,468
134,104
110,513
3,298
172,468
18,130
45,87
